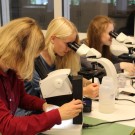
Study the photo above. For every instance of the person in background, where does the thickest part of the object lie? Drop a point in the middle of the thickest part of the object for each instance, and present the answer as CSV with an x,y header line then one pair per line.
x,y
98,37
129,27
21,41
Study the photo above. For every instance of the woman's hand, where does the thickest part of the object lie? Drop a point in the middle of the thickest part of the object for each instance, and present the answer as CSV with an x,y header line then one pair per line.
x,y
91,90
128,67
45,105
71,109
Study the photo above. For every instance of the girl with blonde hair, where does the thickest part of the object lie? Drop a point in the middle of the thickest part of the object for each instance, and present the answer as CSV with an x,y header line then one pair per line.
x,y
59,32
57,55
21,41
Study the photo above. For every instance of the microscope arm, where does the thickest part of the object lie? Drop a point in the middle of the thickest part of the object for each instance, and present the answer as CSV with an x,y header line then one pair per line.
x,y
109,68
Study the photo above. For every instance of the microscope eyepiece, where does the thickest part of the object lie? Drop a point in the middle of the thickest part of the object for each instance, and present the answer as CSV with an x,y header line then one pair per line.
x,y
113,34
73,45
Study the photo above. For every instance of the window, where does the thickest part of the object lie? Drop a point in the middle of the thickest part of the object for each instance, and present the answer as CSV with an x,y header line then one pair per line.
x,y
39,2
0,14
41,10
80,12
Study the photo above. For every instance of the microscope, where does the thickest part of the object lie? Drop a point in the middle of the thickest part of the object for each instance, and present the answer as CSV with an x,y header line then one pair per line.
x,y
93,55
123,46
59,83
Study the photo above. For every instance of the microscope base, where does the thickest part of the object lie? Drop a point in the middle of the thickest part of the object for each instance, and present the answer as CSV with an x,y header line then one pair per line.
x,y
66,128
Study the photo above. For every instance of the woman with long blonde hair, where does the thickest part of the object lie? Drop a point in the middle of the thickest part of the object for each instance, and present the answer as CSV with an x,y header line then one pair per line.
x,y
59,32
57,55
21,41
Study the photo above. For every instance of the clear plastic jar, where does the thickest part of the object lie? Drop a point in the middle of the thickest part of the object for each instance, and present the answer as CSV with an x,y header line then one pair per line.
x,y
107,95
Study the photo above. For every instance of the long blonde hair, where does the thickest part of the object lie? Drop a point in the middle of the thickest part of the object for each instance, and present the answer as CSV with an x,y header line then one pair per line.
x,y
21,41
96,28
62,28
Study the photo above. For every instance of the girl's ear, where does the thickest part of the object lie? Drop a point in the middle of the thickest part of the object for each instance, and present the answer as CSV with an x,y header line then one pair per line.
x,y
52,39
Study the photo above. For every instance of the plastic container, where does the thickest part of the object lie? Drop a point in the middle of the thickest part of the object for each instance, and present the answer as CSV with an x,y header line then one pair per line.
x,y
121,80
107,95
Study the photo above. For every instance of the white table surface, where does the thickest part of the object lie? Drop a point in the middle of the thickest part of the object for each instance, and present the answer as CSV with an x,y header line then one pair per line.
x,y
123,109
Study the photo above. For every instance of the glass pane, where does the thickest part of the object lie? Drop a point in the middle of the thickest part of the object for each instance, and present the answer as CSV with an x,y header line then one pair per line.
x,y
82,11
0,14
41,10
